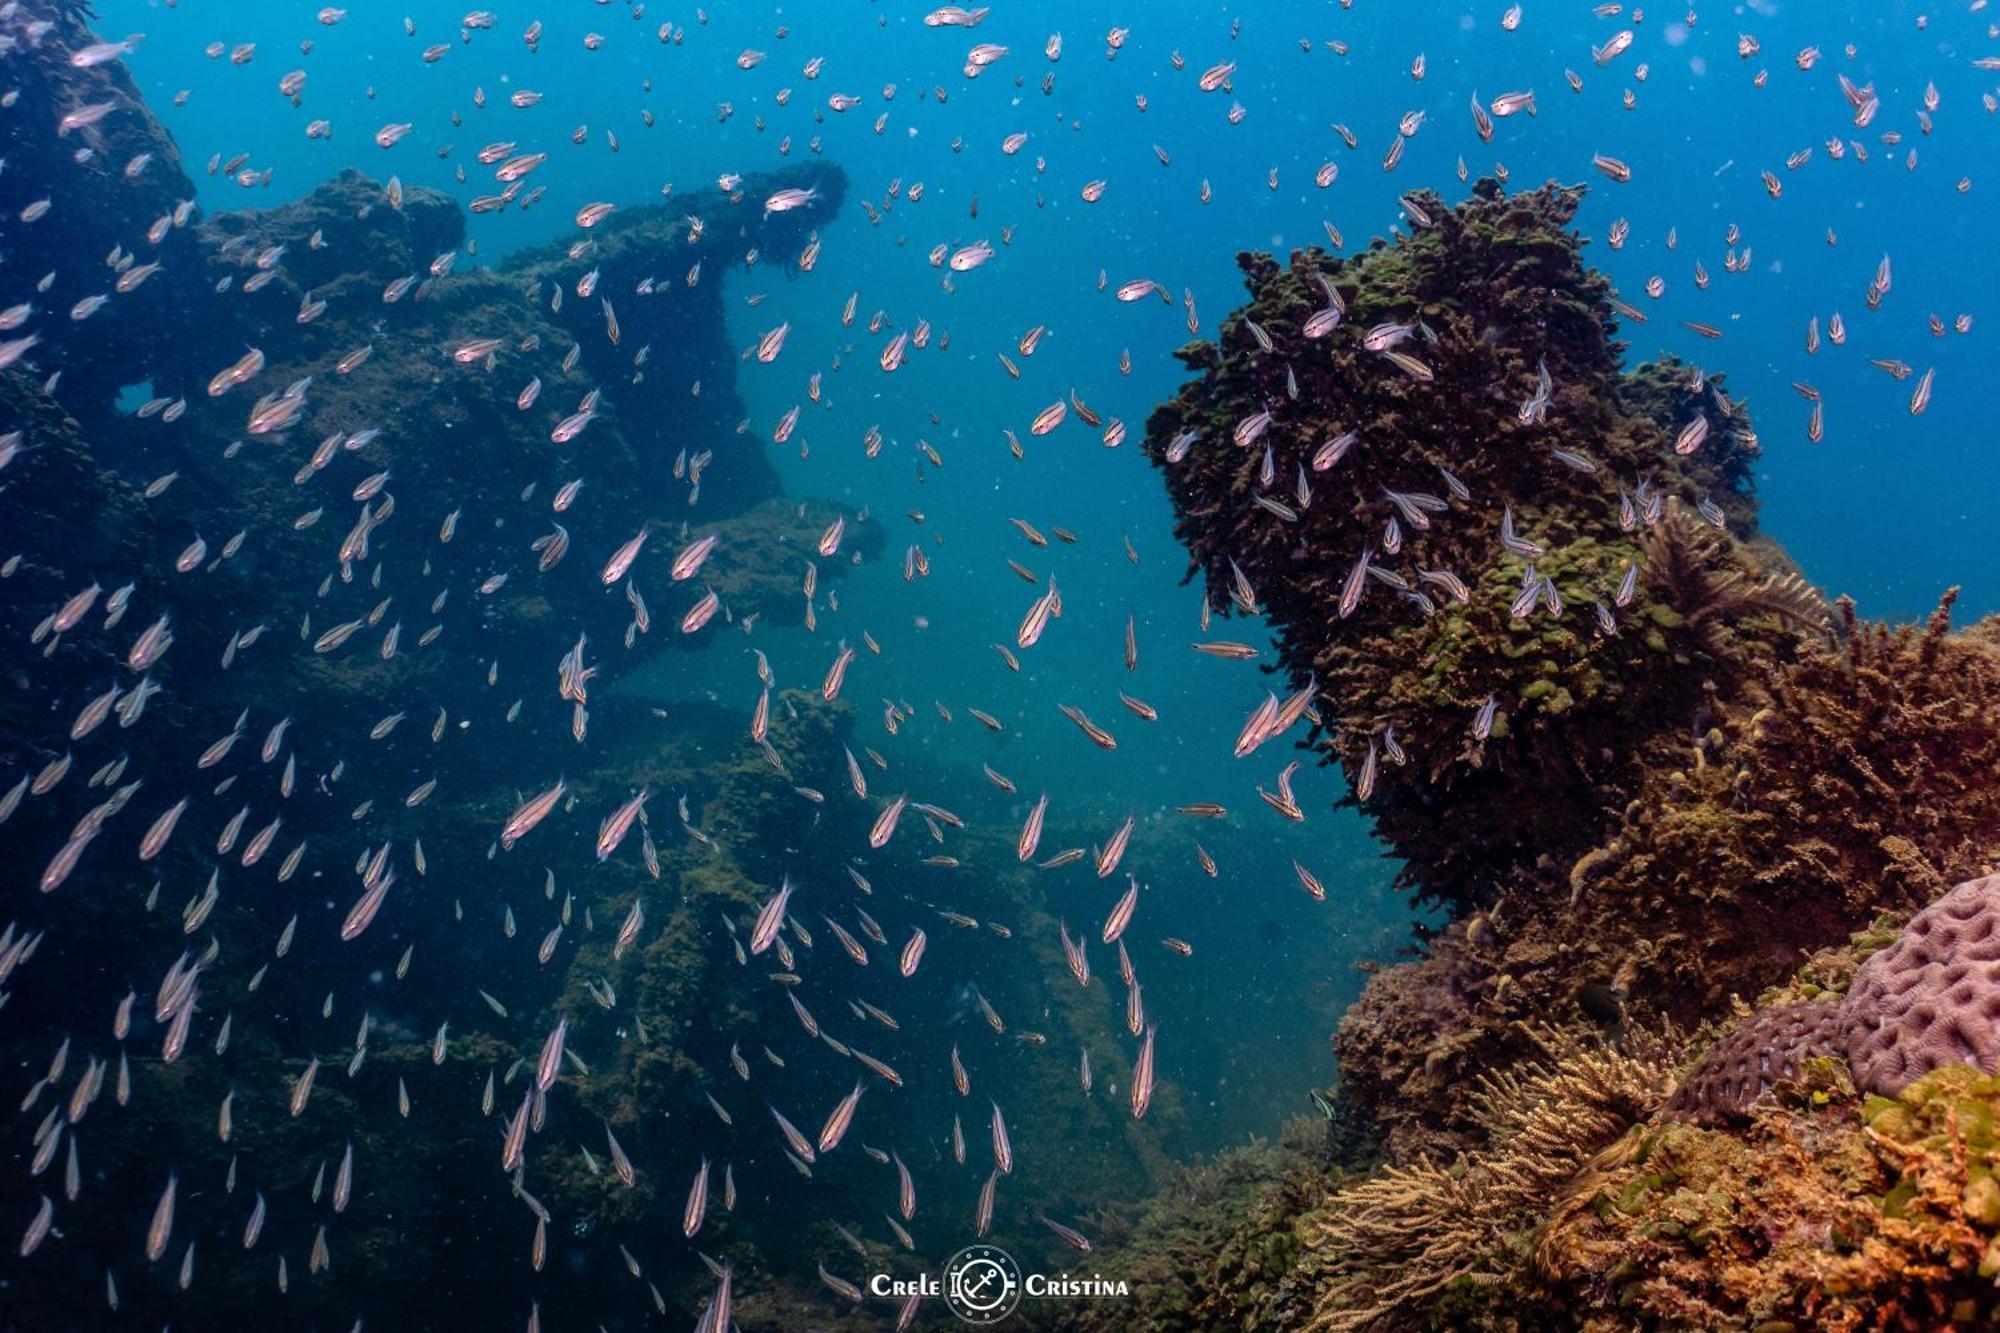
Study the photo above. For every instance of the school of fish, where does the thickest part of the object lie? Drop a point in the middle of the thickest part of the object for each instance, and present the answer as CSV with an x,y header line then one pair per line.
x,y
143,786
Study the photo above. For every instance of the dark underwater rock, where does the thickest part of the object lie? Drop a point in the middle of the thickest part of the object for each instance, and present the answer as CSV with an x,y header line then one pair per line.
x,y
107,184
418,733
86,526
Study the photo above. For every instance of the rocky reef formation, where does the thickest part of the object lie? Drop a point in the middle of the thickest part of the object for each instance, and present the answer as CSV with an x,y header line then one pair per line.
x,y
1845,782
1484,296
363,474
1645,767
1622,1185
1219,1244
324,447
92,177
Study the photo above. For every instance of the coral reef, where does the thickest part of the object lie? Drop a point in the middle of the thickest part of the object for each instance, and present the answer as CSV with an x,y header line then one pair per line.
x,y
1663,813
1926,1000
1616,1186
1843,783
1667,801
1763,1192
1494,289
1825,1213
1642,761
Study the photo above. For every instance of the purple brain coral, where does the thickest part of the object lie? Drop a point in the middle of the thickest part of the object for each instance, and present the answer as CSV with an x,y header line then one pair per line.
x,y
1932,998
1756,1053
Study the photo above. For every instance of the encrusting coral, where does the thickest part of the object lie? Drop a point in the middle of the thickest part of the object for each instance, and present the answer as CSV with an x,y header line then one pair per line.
x,y
1826,1211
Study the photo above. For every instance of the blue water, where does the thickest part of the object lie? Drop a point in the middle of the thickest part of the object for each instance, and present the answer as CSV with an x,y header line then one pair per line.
x,y
1880,510
1889,508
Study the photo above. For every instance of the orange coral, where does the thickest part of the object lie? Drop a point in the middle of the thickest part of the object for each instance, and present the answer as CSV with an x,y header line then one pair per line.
x,y
1825,1214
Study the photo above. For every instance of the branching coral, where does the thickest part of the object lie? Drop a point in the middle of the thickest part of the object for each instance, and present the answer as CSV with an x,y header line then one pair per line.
x,y
1402,1237
1397,1242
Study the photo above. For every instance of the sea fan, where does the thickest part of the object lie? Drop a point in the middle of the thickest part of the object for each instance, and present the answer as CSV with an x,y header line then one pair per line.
x,y
1694,571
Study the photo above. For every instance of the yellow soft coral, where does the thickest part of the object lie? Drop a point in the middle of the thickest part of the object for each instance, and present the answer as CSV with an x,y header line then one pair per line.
x,y
1391,1245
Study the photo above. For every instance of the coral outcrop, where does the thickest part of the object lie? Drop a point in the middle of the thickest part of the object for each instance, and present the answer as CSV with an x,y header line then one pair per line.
x,y
1755,1187
1687,778
88,203
1646,767
1930,998
1491,293
1827,1209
